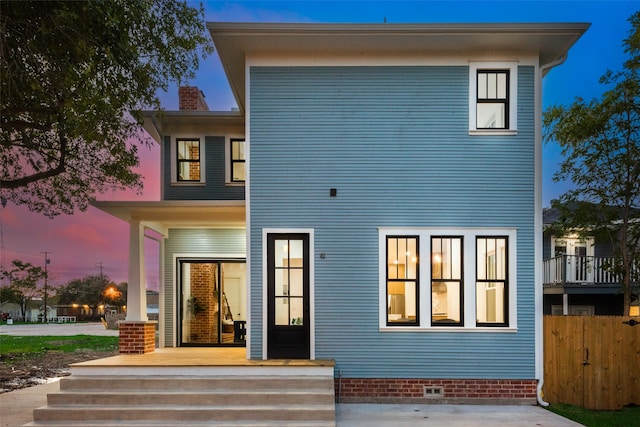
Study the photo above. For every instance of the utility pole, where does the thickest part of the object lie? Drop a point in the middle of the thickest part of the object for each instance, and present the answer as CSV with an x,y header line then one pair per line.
x,y
46,263
99,264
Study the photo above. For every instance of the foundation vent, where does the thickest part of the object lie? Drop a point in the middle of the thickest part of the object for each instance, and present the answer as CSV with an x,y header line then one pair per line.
x,y
433,392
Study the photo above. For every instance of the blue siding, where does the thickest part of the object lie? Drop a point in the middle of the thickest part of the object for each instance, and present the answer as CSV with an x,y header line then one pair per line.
x,y
394,142
214,188
194,241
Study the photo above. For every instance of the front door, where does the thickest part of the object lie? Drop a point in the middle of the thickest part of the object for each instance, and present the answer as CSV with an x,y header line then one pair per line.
x,y
288,331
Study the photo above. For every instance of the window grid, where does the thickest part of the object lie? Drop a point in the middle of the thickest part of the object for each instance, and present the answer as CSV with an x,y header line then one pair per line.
x,y
402,280
492,99
188,158
238,160
447,266
492,284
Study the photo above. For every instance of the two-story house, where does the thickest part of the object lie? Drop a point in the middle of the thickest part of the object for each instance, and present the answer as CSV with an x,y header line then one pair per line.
x,y
577,274
375,200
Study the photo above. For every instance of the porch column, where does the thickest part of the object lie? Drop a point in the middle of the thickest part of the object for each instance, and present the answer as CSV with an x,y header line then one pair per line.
x,y
137,333
136,289
565,304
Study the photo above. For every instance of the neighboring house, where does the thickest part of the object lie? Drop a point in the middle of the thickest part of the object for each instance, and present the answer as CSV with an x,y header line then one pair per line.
x,y
575,275
375,200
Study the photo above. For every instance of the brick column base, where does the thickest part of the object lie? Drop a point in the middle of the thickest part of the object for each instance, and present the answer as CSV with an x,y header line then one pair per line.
x,y
137,337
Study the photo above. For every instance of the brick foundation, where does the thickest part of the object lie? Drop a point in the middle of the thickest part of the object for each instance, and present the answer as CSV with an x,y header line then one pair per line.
x,y
407,390
137,337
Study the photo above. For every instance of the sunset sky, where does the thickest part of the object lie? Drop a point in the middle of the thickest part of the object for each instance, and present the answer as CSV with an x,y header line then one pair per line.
x,y
79,245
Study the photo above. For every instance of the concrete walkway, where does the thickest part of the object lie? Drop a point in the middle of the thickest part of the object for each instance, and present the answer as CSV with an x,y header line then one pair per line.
x,y
62,329
16,408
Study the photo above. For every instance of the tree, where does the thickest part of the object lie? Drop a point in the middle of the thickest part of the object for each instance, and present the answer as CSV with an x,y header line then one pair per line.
x,y
74,76
89,291
23,284
600,143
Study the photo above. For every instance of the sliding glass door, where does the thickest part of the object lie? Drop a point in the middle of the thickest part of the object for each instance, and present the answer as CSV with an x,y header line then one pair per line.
x,y
212,302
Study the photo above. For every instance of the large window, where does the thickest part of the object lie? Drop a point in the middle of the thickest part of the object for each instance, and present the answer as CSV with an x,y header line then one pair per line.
x,y
238,172
446,281
402,280
188,155
492,284
468,282
492,110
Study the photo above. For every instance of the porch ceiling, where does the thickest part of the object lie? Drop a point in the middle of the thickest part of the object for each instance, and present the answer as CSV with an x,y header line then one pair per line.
x,y
173,214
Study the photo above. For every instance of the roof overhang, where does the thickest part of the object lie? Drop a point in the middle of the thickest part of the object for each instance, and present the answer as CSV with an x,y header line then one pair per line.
x,y
179,214
235,41
158,123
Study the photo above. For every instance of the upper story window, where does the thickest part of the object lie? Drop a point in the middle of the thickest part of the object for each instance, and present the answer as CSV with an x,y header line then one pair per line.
x,y
188,156
238,170
492,98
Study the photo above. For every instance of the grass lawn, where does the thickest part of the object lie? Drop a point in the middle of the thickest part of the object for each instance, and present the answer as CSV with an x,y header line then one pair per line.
x,y
67,344
627,417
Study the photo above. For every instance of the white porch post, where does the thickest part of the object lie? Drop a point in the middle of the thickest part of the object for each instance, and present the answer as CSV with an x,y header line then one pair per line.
x,y
565,304
136,290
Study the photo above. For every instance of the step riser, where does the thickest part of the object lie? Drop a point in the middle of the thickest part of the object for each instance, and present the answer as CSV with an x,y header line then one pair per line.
x,y
192,399
180,415
83,384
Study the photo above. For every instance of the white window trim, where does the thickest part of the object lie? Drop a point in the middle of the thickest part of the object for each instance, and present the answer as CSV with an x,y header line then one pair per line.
x,y
174,160
469,276
265,278
513,97
227,160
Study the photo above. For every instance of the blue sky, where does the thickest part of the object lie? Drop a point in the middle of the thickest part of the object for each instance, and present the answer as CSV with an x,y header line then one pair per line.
x,y
78,244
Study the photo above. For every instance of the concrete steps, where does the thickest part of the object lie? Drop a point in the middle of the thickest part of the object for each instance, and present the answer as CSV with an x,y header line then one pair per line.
x,y
272,398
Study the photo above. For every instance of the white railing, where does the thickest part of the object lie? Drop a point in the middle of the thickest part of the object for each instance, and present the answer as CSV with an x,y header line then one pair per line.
x,y
579,269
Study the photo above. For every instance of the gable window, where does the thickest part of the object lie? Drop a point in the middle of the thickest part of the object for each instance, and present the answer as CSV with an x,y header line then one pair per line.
x,y
238,171
469,283
493,108
492,98
492,286
402,280
188,156
446,281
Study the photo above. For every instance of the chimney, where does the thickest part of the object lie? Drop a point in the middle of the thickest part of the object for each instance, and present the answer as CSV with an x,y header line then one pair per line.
x,y
191,99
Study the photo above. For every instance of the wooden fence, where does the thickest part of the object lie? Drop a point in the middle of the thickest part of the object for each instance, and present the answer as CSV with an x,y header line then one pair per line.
x,y
592,361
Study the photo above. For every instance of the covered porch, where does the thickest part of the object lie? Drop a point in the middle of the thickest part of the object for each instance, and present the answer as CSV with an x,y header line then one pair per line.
x,y
153,220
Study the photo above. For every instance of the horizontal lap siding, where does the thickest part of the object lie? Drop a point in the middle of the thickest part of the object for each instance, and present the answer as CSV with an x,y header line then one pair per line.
x,y
394,143
207,242
215,187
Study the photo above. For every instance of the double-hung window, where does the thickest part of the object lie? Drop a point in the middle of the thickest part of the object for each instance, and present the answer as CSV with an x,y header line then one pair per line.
x,y
188,156
493,104
469,281
402,280
237,158
446,281
492,98
492,285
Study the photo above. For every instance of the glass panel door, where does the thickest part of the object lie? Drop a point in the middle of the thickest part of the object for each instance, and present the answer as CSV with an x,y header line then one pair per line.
x,y
212,302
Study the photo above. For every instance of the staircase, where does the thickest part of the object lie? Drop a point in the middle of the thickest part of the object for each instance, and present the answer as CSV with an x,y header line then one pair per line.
x,y
192,396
